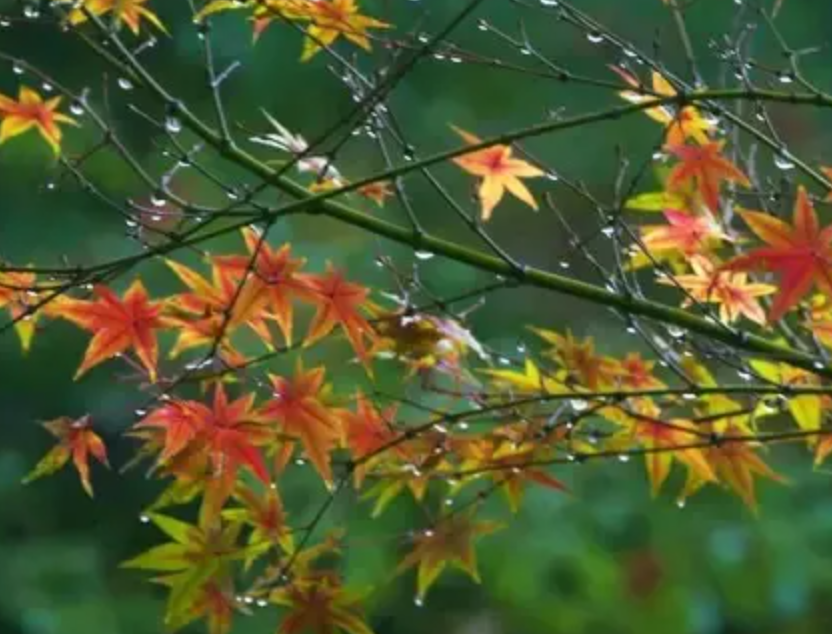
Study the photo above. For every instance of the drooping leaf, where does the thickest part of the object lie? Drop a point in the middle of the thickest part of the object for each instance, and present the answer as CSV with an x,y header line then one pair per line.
x,y
76,441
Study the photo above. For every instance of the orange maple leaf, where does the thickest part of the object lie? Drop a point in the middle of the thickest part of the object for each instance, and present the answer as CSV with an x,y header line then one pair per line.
x,y
20,295
299,409
731,290
736,463
499,171
636,373
339,302
451,541
684,233
687,123
206,307
579,359
509,463
274,276
118,325
378,192
333,18
800,254
662,442
706,167
76,440
130,12
227,435
31,111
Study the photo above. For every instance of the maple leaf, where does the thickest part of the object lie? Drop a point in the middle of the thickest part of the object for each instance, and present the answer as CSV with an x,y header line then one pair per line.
x,y
530,380
205,310
736,463
196,563
129,12
227,435
378,192
320,605
499,171
509,464
20,295
682,125
450,542
118,325
215,602
706,167
367,432
298,407
76,440
339,302
731,290
636,373
31,111
265,513
683,234
800,254
579,359
662,441
333,18
274,275
806,409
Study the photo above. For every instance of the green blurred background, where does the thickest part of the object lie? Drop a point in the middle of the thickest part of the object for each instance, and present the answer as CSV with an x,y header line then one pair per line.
x,y
604,559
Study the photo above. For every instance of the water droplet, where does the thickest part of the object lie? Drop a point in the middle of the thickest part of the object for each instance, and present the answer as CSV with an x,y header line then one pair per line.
x,y
17,69
578,404
31,12
144,519
594,37
76,109
173,125
782,161
423,255
419,602
124,83
785,77
157,200
623,457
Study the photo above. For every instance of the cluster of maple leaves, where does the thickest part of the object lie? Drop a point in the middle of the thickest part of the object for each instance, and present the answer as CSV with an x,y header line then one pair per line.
x,y
224,453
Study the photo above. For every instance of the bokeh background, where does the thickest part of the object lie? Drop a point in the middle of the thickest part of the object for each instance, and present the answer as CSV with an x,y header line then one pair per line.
x,y
606,558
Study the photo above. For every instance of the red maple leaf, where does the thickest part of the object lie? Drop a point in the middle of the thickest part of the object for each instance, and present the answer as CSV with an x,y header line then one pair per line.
x,y
298,407
117,324
340,302
369,431
226,437
274,276
706,166
800,254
